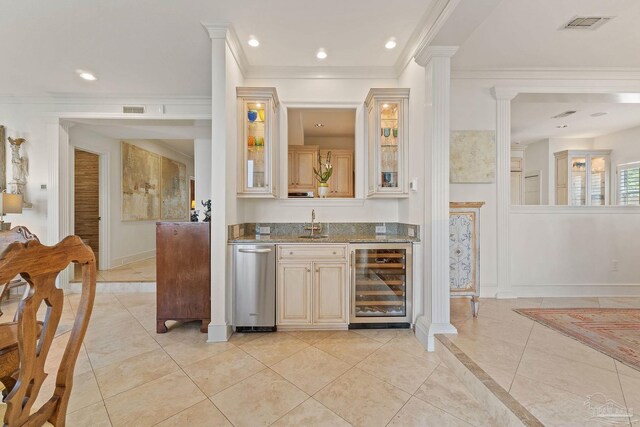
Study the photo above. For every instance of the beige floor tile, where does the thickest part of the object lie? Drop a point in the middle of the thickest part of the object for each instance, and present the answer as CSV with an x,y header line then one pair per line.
x,y
619,302
403,370
180,333
514,330
417,413
146,316
362,399
569,375
135,371
223,370
154,401
239,338
273,348
311,413
311,369
549,341
348,346
85,391
631,392
130,300
406,341
186,354
93,415
570,302
627,370
103,354
443,390
380,335
312,337
552,406
203,414
486,351
259,400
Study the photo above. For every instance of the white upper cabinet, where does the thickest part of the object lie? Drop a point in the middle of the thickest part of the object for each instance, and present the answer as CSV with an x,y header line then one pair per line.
x,y
257,136
387,135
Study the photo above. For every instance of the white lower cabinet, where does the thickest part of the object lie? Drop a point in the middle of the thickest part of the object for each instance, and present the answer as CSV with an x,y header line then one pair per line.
x,y
312,293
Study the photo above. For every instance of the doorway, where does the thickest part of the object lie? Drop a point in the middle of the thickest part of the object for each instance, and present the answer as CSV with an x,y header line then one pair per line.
x,y
86,182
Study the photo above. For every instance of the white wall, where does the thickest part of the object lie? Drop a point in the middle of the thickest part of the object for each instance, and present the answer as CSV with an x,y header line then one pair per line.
x,y
33,118
474,107
128,240
202,170
536,158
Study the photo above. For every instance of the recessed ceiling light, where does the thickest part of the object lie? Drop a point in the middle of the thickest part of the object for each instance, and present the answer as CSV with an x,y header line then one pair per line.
x,y
599,114
390,44
253,42
322,54
86,75
561,126
385,105
258,105
319,125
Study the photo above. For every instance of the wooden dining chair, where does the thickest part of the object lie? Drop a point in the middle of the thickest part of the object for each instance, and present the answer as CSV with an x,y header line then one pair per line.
x,y
39,266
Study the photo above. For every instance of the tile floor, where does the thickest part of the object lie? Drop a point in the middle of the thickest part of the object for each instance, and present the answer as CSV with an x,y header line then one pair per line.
x,y
550,374
139,271
127,375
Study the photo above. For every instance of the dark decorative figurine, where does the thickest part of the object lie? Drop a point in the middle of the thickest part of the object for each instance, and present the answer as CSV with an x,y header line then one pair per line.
x,y
207,212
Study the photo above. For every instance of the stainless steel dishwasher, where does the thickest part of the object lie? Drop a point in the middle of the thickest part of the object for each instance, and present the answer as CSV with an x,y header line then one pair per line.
x,y
254,284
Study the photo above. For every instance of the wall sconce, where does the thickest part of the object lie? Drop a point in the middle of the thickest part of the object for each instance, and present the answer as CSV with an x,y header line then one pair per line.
x,y
9,204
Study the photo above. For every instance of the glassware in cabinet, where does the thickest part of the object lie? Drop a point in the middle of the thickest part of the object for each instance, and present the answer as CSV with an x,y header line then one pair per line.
x,y
257,116
387,142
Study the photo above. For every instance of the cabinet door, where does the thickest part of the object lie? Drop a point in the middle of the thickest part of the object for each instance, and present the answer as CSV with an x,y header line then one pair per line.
x,y
516,188
305,162
341,182
330,293
294,293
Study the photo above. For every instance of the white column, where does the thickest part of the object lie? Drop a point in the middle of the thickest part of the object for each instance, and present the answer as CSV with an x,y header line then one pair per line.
x,y
219,328
436,318
503,187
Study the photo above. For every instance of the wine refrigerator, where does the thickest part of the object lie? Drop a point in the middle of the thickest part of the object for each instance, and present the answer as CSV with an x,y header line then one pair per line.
x,y
381,276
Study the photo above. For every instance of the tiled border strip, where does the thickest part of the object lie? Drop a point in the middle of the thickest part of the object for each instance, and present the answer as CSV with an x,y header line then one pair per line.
x,y
497,401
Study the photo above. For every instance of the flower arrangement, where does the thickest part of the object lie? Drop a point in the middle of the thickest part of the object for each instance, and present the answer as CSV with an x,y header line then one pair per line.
x,y
324,171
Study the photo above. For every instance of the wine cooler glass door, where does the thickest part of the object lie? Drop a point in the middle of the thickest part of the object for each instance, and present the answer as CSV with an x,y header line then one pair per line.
x,y
380,284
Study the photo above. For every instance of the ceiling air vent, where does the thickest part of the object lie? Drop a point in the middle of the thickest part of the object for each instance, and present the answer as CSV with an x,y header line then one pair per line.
x,y
586,22
565,114
133,109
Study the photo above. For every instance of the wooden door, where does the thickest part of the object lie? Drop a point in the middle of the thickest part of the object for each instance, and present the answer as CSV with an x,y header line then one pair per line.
x,y
87,198
305,162
330,293
342,177
294,293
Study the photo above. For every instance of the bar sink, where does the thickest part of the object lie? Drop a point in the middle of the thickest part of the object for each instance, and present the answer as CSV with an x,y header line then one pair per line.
x,y
314,236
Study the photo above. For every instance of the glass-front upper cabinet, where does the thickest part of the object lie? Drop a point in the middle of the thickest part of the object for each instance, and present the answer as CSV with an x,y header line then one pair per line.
x,y
387,133
257,134
582,177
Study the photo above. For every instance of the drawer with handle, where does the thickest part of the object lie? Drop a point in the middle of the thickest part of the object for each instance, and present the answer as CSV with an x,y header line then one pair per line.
x,y
313,252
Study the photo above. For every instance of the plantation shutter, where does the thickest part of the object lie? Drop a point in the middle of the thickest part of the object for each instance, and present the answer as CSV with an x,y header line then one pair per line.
x,y
629,184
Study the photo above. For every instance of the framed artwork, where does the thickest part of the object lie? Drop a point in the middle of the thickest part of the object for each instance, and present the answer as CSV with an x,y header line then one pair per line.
x,y
472,157
140,184
173,185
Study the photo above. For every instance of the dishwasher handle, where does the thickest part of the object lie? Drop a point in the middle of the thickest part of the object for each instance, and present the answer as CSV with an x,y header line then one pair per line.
x,y
255,251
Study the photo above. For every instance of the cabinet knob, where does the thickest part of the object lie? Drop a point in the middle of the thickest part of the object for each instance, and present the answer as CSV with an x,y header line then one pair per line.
x,y
317,270
334,252
290,253
308,269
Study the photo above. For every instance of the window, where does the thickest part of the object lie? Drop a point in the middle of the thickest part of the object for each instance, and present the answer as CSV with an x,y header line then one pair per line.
x,y
629,184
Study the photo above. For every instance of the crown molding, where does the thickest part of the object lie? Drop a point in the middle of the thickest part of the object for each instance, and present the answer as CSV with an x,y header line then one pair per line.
x,y
504,93
601,73
429,26
424,56
217,30
321,73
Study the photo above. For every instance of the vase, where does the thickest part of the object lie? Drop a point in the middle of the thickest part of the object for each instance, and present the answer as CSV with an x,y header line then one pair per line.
x,y
323,190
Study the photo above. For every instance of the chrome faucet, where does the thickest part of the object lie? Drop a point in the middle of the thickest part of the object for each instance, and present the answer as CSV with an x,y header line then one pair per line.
x,y
313,218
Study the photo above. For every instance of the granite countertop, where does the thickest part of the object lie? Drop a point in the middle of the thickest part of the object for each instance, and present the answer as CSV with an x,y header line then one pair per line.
x,y
337,238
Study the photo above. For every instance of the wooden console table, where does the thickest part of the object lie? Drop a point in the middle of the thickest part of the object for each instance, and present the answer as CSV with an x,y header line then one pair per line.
x,y
183,267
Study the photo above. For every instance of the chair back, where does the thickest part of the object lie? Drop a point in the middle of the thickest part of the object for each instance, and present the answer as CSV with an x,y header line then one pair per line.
x,y
39,266
16,234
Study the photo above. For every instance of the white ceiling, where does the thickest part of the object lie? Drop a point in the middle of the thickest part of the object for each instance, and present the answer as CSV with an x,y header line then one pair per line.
x,y
531,116
525,34
177,135
337,122
146,47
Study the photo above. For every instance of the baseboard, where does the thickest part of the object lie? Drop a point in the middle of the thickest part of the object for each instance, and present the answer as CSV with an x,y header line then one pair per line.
x,y
119,262
115,287
426,331
488,291
219,333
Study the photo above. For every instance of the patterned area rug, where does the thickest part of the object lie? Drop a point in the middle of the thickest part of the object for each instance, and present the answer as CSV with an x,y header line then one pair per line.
x,y
612,331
